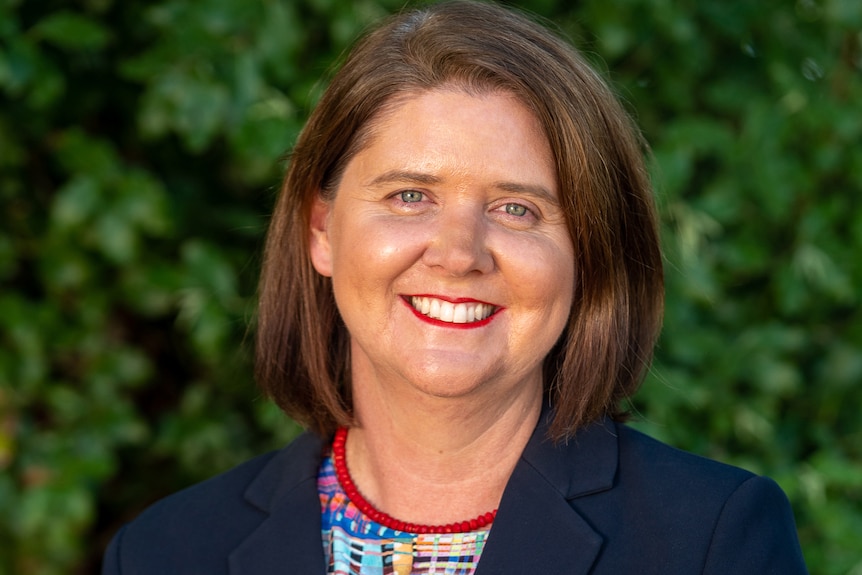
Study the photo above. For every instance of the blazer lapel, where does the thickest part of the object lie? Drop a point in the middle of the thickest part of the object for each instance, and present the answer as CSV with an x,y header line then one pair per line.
x,y
288,540
537,530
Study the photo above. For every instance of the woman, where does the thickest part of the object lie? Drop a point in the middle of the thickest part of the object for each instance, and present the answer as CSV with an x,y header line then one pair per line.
x,y
462,282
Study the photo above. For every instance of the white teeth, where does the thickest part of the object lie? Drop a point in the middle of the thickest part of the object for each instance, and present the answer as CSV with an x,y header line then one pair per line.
x,y
460,315
451,312
447,311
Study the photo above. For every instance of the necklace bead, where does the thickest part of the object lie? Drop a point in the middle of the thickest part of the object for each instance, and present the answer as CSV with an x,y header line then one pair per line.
x,y
340,463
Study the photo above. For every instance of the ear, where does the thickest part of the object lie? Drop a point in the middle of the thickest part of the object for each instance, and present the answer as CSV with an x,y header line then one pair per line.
x,y
320,249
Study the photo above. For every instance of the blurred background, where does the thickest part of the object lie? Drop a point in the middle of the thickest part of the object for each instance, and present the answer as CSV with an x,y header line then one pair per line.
x,y
141,144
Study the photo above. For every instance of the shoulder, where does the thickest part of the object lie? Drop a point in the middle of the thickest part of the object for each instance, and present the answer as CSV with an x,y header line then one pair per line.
x,y
683,508
607,456
682,488
659,468
207,502
654,482
200,522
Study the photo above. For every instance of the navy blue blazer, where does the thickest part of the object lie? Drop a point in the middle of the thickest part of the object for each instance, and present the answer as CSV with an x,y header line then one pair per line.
x,y
611,501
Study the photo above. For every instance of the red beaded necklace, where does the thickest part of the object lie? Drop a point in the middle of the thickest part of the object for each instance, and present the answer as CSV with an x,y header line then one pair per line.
x,y
340,462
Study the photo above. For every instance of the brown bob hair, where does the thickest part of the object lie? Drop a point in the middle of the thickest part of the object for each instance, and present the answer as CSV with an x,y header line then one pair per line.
x,y
303,360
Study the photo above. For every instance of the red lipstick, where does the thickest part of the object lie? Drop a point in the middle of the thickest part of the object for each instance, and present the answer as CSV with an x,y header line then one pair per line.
x,y
440,323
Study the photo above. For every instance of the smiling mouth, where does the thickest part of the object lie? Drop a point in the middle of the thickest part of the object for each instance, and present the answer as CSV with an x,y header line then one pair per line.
x,y
449,312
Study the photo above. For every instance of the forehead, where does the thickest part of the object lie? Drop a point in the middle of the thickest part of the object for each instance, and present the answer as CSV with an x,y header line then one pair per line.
x,y
391,105
452,130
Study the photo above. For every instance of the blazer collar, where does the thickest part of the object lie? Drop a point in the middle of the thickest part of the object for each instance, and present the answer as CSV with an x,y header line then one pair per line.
x,y
536,529
584,464
288,539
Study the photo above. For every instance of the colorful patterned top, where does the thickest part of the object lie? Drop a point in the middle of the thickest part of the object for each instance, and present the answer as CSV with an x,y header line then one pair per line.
x,y
353,544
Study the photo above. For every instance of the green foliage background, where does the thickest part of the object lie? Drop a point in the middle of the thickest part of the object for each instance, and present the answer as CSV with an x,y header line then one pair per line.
x,y
140,147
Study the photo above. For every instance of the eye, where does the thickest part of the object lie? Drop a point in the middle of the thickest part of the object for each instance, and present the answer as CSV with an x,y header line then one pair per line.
x,y
516,210
411,196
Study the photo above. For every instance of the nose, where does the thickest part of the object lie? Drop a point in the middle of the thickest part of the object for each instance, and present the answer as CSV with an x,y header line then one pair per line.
x,y
459,243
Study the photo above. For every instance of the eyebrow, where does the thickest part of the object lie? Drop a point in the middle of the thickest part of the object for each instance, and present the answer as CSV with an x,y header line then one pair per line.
x,y
406,176
395,176
535,190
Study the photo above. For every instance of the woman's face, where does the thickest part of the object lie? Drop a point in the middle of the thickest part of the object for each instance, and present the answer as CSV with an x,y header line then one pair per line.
x,y
450,258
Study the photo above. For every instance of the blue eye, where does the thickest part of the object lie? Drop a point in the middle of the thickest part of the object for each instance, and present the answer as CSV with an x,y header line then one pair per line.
x,y
516,210
411,196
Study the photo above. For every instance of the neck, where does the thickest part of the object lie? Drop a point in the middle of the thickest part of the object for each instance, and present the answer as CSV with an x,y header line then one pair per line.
x,y
428,459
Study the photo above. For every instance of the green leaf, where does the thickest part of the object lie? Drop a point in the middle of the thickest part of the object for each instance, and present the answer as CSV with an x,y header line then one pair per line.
x,y
73,31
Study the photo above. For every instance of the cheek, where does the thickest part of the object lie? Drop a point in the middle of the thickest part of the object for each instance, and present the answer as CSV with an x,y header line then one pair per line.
x,y
369,256
545,274
549,292
553,290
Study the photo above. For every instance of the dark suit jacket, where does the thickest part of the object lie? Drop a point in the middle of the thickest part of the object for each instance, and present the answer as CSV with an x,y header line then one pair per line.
x,y
611,501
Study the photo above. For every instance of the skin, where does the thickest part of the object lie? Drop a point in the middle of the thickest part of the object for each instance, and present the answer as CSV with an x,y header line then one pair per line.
x,y
454,198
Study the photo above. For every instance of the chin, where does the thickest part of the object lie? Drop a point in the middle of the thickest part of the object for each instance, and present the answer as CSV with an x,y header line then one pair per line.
x,y
459,384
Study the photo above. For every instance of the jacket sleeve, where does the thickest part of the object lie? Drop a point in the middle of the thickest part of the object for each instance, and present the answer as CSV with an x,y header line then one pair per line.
x,y
755,533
